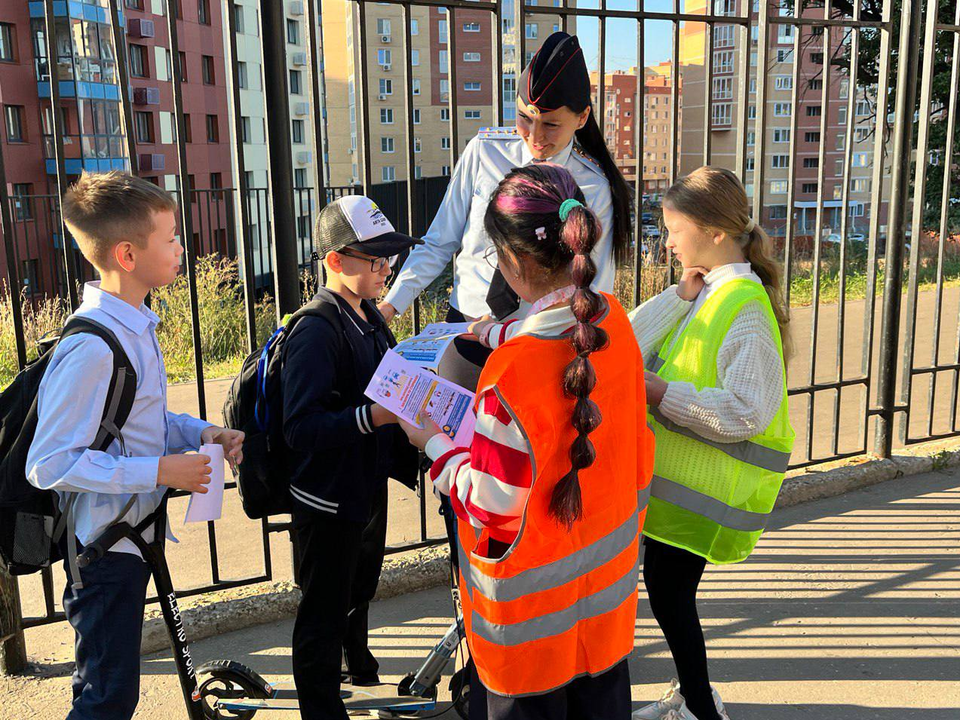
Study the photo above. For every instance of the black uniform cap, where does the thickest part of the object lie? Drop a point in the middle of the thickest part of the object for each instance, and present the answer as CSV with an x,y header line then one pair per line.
x,y
556,76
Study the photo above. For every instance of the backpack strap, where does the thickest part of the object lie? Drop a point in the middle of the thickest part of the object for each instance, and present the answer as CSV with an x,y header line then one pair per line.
x,y
119,402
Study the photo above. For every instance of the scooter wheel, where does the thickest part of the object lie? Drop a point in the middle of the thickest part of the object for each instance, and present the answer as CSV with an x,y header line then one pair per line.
x,y
460,692
229,680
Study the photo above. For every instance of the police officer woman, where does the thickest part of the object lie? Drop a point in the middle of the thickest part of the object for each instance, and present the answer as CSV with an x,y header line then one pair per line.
x,y
555,123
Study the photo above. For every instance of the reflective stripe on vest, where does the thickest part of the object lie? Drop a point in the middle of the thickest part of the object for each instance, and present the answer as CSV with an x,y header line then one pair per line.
x,y
562,571
708,507
653,363
745,450
561,621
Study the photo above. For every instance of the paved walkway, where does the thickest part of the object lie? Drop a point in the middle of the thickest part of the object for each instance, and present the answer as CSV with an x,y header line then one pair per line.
x,y
848,610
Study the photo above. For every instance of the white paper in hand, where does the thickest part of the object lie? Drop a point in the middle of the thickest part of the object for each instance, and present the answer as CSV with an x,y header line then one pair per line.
x,y
209,505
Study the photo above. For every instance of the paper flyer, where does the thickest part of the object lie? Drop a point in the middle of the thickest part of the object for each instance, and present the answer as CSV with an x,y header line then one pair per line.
x,y
209,505
406,389
427,347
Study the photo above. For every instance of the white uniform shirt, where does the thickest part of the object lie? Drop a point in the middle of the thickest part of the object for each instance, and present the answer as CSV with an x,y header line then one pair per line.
x,y
458,225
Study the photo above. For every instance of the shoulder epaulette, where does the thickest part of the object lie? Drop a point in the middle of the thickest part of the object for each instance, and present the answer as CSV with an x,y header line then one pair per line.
x,y
498,133
587,158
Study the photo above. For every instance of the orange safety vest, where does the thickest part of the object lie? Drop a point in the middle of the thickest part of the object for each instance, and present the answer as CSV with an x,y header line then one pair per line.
x,y
562,603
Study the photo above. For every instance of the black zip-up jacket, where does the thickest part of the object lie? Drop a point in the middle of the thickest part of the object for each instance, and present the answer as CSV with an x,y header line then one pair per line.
x,y
336,458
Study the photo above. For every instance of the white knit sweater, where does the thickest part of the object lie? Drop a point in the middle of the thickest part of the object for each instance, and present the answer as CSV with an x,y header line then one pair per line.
x,y
749,368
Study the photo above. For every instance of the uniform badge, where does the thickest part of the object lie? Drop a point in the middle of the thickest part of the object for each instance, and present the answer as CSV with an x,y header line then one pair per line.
x,y
533,110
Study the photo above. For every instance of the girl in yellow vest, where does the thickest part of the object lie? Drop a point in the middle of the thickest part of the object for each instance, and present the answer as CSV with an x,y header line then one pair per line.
x,y
718,406
551,494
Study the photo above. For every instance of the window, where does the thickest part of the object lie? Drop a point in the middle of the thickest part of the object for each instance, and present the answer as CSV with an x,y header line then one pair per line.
x,y
296,82
242,74
414,57
385,57
722,114
723,36
785,34
856,210
783,82
863,108
753,86
751,112
388,173
23,205
838,167
532,31
16,130
445,114
244,129
238,18
444,88
203,12
844,88
780,161
386,86
444,62
471,86
293,32
208,75
814,111
751,164
471,27
187,128
138,61
417,145
781,135
815,84
417,172
861,185
816,58
386,116
841,142
298,132
416,116
808,188
471,57
213,129
724,7
812,137
387,145
778,187
216,181
723,88
723,61
811,162
842,115
782,109
751,138
861,159
445,143
784,55
445,170
471,114
414,27
143,123
862,133
383,26
778,212
416,86
182,64
7,40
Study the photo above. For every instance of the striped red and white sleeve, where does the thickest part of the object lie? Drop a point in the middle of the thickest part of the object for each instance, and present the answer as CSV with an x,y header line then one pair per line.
x,y
489,482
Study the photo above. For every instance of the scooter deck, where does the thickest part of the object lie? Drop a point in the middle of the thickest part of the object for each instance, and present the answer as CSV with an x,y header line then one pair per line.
x,y
355,697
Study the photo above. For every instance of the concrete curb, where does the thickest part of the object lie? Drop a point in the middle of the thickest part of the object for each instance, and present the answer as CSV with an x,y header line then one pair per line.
x,y
238,608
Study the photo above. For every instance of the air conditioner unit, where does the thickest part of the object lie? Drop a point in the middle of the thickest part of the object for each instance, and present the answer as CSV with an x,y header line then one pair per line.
x,y
302,108
299,58
381,97
304,157
296,7
152,162
140,28
386,67
385,38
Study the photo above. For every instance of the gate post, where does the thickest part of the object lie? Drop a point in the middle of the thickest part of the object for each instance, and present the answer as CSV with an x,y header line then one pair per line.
x,y
909,62
13,648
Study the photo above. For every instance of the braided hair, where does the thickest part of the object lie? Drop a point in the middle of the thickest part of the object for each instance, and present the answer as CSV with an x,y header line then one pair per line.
x,y
524,216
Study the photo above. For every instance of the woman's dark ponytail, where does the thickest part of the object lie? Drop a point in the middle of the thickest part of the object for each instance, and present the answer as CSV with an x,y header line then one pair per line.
x,y
621,194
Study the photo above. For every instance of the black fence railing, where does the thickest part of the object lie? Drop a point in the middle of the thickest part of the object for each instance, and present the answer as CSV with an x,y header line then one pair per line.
x,y
840,117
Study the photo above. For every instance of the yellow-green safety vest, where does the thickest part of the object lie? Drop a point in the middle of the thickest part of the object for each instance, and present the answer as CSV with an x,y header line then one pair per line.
x,y
708,497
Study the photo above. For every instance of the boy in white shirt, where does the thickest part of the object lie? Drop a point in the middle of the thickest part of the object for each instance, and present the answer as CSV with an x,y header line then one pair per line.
x,y
126,228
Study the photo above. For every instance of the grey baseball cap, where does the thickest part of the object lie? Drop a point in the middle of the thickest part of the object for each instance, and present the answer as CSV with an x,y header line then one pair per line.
x,y
356,222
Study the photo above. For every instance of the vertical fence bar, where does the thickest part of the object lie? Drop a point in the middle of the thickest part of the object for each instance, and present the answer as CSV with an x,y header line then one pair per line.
x,y
908,61
69,266
319,97
123,79
760,133
286,263
186,197
945,206
708,94
743,97
240,176
454,88
639,117
520,36
792,181
919,205
497,43
601,77
360,97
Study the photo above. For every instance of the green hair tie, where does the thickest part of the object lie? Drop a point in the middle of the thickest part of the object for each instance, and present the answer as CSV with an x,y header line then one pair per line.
x,y
566,206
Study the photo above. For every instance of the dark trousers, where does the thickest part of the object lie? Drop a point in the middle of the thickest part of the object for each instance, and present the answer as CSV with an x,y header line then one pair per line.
x,y
672,576
339,570
603,697
107,617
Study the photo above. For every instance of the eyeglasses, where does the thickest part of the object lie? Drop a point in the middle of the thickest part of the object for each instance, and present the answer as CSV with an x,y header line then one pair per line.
x,y
376,263
491,256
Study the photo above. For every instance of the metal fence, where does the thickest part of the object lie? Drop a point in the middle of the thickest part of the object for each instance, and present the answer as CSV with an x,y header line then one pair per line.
x,y
858,368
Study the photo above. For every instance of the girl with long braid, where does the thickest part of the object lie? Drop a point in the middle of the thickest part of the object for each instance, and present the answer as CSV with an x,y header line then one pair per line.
x,y
551,494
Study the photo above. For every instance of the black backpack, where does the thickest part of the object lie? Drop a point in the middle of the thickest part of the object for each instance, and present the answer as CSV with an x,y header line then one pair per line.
x,y
30,519
255,406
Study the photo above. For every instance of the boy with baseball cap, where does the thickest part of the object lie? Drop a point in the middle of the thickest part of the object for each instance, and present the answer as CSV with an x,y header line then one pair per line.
x,y
342,448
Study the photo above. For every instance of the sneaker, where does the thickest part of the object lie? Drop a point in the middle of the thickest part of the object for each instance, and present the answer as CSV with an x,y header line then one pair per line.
x,y
671,700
